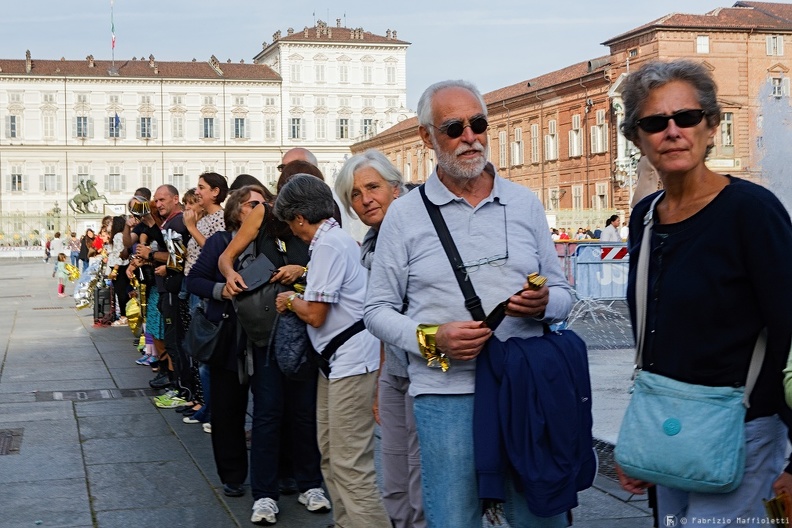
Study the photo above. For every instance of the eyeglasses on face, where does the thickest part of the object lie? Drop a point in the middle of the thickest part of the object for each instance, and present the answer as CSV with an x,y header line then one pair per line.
x,y
455,128
683,119
252,203
280,167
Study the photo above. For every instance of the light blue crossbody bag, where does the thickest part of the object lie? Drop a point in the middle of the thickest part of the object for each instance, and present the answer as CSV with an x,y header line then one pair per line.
x,y
680,435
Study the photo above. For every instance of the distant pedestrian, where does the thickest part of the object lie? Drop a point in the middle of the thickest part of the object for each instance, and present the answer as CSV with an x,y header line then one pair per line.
x,y
57,246
73,247
86,243
611,231
61,274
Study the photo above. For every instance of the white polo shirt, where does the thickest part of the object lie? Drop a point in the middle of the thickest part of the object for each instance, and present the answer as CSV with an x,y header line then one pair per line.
x,y
336,277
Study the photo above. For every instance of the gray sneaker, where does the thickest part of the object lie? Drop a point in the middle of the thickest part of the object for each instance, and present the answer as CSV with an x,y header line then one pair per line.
x,y
264,511
314,500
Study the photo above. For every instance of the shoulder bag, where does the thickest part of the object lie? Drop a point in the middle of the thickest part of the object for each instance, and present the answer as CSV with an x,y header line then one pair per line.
x,y
204,336
255,307
681,435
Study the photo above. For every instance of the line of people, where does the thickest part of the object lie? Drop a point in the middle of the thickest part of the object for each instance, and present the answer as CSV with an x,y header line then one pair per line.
x,y
393,322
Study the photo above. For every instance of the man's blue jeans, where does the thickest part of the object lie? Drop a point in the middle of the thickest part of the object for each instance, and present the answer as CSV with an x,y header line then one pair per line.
x,y
450,491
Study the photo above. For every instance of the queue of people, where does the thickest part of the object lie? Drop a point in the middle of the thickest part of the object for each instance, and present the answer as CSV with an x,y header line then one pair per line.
x,y
391,333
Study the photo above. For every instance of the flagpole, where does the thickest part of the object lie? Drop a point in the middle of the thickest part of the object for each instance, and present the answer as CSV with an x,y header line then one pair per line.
x,y
113,70
112,33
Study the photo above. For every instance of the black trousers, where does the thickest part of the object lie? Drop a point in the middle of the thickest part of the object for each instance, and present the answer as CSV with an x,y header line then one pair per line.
x,y
229,404
121,287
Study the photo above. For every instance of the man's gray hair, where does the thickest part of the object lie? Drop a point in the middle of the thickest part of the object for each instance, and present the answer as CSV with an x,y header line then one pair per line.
x,y
305,195
655,74
425,117
374,159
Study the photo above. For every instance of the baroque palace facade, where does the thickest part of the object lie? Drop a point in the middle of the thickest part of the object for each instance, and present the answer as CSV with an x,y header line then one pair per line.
x,y
105,128
558,133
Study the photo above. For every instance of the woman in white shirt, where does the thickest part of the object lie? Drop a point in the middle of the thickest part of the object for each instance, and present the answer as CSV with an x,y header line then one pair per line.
x,y
611,231
332,303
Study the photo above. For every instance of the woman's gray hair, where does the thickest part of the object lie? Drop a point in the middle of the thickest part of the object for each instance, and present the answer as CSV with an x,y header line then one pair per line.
x,y
656,74
425,117
374,159
305,195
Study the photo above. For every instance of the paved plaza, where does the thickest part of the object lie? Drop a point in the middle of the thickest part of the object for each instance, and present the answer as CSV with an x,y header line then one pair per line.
x,y
81,444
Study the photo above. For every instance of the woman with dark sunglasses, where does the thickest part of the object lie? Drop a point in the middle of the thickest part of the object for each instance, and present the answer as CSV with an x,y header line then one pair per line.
x,y
709,296
284,409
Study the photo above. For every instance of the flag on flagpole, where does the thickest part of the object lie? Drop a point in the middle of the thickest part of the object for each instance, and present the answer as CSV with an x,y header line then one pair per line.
x,y
117,121
112,25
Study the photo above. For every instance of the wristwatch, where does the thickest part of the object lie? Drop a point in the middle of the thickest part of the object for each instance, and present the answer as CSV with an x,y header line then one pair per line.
x,y
428,347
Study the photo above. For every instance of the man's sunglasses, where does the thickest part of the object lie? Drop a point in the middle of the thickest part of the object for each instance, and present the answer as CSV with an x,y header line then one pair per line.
x,y
280,167
683,119
454,129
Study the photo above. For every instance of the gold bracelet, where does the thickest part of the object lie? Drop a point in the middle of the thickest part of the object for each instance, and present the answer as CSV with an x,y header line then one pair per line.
x,y
428,347
289,302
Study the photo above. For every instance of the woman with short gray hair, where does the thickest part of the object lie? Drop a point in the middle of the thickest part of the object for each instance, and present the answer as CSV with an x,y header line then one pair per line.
x,y
367,184
332,305
372,159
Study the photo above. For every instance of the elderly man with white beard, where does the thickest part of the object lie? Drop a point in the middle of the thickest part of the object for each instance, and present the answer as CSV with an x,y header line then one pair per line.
x,y
500,230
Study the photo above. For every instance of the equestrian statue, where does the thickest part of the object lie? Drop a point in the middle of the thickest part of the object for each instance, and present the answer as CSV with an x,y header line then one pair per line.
x,y
82,202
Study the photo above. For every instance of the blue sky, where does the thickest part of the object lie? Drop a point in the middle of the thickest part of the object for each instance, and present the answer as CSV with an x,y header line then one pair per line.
x,y
492,44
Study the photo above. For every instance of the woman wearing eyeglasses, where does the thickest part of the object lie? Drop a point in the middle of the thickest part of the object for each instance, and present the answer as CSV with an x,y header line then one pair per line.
x,y
284,409
229,395
709,296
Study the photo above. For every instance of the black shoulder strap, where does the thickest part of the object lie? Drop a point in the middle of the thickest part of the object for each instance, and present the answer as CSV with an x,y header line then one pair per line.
x,y
338,340
472,301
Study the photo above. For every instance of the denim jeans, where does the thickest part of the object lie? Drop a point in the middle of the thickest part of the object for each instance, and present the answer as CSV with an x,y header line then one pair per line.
x,y
450,491
765,442
274,395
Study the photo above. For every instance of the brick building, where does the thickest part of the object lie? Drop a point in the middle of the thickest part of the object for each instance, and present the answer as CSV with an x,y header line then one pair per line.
x,y
558,133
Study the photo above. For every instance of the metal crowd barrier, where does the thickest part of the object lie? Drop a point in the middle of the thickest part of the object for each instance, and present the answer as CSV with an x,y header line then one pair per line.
x,y
598,273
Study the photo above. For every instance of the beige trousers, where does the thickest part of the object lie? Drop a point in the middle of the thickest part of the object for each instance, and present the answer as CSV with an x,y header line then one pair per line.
x,y
345,431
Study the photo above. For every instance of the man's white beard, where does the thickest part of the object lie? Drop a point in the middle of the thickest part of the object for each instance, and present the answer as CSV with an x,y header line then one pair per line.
x,y
462,170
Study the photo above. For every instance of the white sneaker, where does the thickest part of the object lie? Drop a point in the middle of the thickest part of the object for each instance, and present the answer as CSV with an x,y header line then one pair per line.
x,y
264,511
207,427
314,500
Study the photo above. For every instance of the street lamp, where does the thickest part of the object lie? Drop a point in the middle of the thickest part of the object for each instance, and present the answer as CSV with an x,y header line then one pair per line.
x,y
626,169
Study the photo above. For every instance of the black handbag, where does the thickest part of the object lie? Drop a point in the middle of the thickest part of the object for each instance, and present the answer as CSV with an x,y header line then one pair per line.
x,y
255,307
203,336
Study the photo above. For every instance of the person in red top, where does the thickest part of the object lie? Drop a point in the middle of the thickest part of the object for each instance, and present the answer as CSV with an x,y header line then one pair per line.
x,y
104,234
564,235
